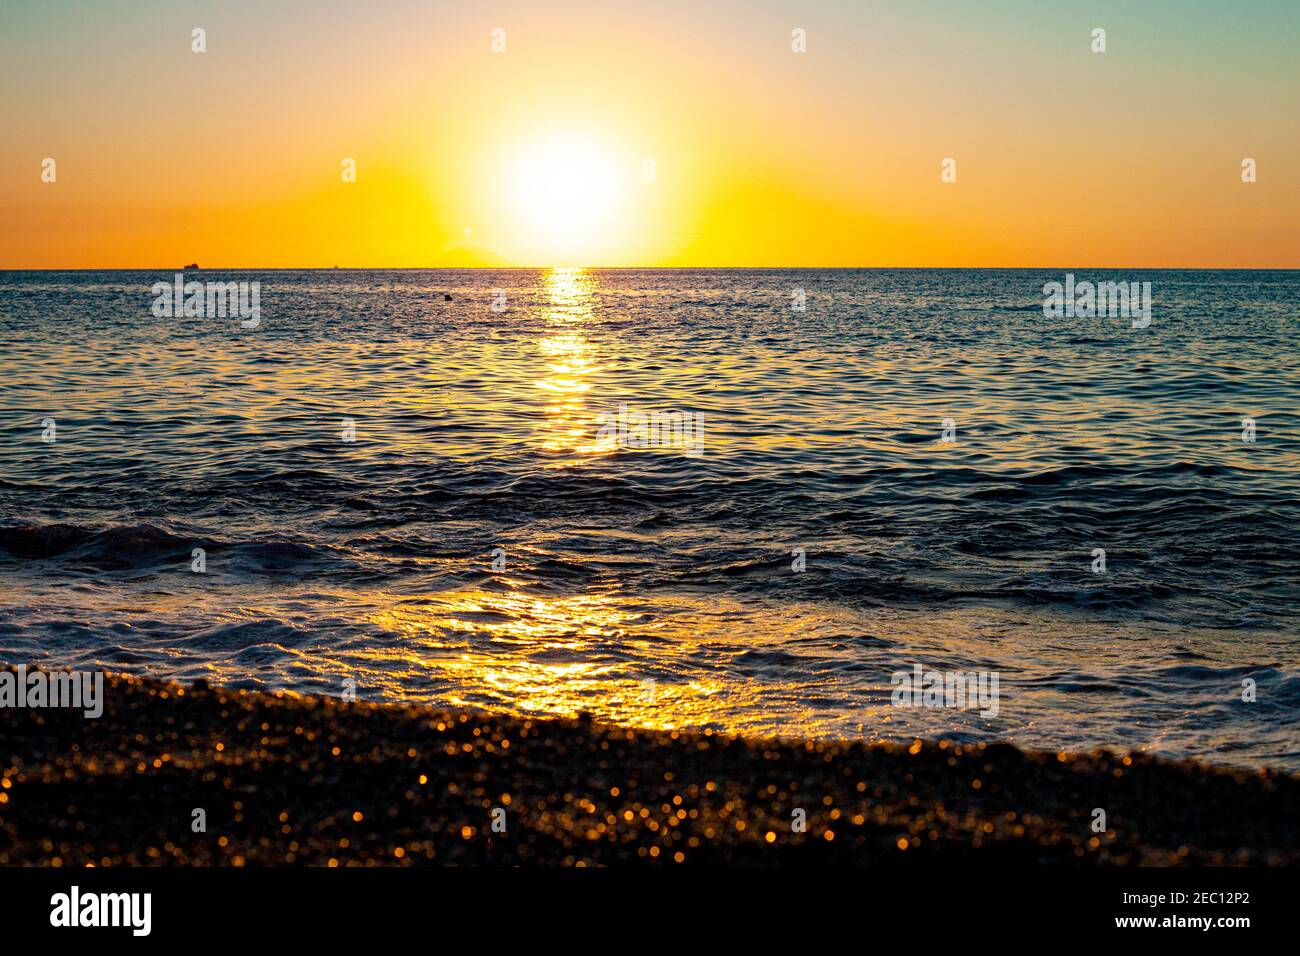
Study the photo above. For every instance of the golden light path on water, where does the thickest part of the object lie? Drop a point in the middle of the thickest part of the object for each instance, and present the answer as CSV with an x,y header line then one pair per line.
x,y
503,633
502,647
569,423
543,655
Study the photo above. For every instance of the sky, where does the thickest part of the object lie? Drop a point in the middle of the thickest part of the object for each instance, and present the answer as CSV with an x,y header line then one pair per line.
x,y
658,134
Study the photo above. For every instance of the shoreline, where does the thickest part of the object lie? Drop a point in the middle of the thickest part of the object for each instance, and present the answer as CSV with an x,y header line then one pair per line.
x,y
290,780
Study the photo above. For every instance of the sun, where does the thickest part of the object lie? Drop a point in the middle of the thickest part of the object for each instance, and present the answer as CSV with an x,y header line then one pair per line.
x,y
564,193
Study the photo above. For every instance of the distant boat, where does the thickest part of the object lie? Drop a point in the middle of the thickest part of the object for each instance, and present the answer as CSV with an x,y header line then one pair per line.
x,y
192,265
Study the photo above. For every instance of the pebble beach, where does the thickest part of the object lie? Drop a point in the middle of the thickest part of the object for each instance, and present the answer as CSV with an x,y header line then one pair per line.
x,y
199,775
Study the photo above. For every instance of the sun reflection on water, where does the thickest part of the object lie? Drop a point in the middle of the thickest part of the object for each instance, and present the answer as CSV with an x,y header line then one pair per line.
x,y
537,655
568,426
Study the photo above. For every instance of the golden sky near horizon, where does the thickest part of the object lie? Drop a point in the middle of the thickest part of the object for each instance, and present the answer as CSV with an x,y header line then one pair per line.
x,y
666,134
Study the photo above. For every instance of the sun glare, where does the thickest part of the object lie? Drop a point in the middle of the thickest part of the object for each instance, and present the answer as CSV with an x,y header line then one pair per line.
x,y
564,194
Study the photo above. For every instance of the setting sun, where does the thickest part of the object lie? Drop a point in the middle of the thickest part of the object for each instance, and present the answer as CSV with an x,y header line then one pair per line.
x,y
564,194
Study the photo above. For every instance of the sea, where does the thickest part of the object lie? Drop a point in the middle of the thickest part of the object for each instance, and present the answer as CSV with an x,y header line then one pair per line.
x,y
759,501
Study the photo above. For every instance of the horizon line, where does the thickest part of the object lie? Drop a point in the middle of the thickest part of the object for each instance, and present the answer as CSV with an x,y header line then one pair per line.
x,y
534,268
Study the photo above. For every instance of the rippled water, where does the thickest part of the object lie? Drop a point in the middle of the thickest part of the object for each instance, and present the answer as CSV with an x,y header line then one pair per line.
x,y
650,586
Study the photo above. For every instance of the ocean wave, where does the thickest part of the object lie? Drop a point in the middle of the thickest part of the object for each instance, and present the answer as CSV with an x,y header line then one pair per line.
x,y
143,545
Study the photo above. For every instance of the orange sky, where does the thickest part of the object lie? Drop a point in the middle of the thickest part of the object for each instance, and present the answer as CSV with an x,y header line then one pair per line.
x,y
538,155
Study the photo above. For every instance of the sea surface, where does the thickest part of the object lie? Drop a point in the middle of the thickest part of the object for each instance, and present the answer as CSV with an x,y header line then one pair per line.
x,y
484,542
